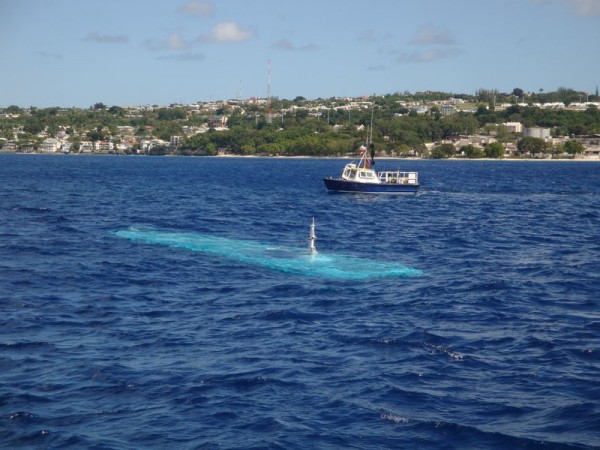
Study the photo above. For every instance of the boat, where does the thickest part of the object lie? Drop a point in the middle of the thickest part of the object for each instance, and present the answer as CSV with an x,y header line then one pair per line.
x,y
362,177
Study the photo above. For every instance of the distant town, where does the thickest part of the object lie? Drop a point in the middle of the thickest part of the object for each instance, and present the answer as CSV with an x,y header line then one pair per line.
x,y
564,124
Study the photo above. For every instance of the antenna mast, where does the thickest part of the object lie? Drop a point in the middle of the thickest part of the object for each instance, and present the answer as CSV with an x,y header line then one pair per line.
x,y
312,237
269,95
370,136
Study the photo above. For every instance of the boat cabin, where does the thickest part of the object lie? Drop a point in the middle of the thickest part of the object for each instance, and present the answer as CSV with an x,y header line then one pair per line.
x,y
360,174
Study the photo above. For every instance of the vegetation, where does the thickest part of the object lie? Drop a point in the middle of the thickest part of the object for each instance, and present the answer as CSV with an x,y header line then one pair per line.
x,y
494,150
443,151
314,128
532,146
573,147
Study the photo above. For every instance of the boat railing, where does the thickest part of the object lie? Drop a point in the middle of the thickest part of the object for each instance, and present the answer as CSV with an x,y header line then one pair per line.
x,y
399,177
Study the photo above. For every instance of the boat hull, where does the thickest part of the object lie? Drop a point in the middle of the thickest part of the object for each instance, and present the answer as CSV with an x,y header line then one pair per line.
x,y
341,185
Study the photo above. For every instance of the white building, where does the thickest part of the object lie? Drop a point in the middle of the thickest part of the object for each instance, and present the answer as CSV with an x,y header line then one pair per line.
x,y
447,110
175,141
50,145
514,127
537,132
86,147
103,146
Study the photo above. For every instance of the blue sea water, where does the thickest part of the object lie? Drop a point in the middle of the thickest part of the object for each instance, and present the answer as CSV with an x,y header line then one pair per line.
x,y
489,340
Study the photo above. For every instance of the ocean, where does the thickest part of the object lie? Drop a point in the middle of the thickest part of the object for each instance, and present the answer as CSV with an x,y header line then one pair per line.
x,y
169,302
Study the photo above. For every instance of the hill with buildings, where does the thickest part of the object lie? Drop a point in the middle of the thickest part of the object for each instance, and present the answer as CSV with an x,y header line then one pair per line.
x,y
490,124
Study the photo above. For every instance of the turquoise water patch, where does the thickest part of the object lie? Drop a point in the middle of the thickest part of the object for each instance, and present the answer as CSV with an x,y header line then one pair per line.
x,y
285,259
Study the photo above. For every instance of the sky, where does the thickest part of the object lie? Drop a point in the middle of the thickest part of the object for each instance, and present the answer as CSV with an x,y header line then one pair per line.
x,y
76,53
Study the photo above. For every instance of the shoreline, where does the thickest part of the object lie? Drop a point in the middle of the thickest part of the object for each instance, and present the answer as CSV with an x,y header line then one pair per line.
x,y
387,158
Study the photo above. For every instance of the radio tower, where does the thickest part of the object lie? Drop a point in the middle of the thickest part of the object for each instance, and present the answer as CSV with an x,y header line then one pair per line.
x,y
239,92
268,109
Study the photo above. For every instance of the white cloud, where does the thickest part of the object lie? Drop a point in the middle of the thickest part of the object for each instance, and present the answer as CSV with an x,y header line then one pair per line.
x,y
371,35
439,44
367,35
431,35
49,55
197,8
581,7
586,7
426,56
94,36
286,44
378,68
225,32
187,56
173,42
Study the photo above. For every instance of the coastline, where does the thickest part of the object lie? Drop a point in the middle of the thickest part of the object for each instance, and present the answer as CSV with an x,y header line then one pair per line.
x,y
385,158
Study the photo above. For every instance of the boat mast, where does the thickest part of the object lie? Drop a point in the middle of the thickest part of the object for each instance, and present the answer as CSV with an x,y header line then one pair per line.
x,y
369,142
312,237
370,137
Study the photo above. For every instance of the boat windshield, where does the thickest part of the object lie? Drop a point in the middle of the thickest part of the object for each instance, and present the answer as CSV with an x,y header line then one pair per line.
x,y
366,174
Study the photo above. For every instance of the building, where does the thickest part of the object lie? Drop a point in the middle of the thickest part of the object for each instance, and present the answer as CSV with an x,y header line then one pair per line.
x,y
50,145
447,110
10,146
103,146
420,110
175,141
514,127
218,122
537,132
86,147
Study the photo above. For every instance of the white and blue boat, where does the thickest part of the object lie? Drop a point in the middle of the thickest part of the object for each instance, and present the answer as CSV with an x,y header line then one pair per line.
x,y
362,177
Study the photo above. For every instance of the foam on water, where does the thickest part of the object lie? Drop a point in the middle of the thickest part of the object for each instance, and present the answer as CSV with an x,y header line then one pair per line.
x,y
285,259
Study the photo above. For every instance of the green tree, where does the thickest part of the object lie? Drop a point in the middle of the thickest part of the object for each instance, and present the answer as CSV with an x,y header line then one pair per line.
x,y
486,95
573,147
13,109
97,134
211,149
116,110
171,114
443,151
470,151
458,124
301,114
485,116
52,130
502,133
164,130
494,150
405,150
34,125
532,146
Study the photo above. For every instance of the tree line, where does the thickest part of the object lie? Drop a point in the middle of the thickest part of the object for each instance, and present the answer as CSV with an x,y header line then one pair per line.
x,y
297,127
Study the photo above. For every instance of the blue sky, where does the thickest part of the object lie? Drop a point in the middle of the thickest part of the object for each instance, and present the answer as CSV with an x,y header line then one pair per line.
x,y
137,52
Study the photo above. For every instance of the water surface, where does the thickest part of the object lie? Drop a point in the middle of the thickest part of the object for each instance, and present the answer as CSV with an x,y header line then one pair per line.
x,y
108,342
